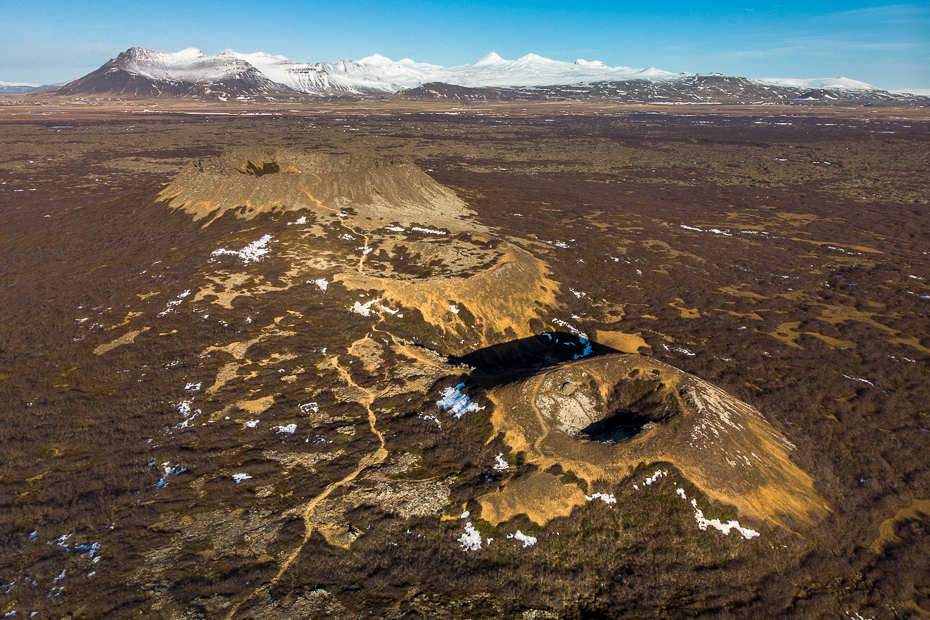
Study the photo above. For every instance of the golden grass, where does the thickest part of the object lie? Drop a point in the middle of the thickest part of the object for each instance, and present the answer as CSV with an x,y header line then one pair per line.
x,y
540,496
127,338
625,343
919,509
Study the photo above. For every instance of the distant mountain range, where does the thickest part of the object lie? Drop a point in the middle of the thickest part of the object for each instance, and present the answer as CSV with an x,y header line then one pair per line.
x,y
15,88
231,76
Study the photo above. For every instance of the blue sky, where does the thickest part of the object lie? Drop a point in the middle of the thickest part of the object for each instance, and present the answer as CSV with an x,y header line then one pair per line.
x,y
885,45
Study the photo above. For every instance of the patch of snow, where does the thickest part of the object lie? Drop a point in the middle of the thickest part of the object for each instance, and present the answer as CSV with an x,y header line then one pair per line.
x,y
364,309
431,418
717,525
184,408
250,253
456,403
172,304
681,493
252,423
858,379
311,406
395,229
88,550
528,541
607,498
716,231
192,387
240,477
471,539
299,221
428,231
570,328
465,515
287,430
169,470
679,350
499,463
453,309
655,477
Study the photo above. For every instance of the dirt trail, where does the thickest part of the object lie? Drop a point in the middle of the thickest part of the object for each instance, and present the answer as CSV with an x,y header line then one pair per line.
x,y
361,261
537,445
375,458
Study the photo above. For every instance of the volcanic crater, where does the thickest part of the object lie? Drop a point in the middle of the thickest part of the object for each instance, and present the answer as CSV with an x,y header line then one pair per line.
x,y
602,417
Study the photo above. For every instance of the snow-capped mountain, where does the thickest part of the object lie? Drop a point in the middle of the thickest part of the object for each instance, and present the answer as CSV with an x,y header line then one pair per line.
x,y
140,72
916,92
12,88
840,83
345,76
230,75
492,70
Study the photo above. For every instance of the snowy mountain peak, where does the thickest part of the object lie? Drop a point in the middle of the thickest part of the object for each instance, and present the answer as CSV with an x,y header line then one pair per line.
x,y
581,62
143,53
839,83
490,60
377,60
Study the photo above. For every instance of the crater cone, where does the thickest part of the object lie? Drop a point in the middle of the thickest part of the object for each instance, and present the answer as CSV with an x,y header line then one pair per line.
x,y
603,417
376,190
420,244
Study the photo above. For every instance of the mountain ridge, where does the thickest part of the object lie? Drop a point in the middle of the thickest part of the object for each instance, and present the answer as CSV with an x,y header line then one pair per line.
x,y
231,75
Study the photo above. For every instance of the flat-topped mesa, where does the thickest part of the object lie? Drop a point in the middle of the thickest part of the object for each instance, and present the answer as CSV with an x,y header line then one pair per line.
x,y
375,191
601,417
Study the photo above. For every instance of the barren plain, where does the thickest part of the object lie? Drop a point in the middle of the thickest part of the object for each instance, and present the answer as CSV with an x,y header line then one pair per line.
x,y
401,360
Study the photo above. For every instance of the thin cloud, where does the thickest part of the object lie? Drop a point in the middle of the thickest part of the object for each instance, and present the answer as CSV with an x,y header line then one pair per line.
x,y
766,53
893,11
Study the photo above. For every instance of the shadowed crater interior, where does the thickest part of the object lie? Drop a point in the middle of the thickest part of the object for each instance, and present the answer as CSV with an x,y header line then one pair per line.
x,y
524,357
637,404
252,168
